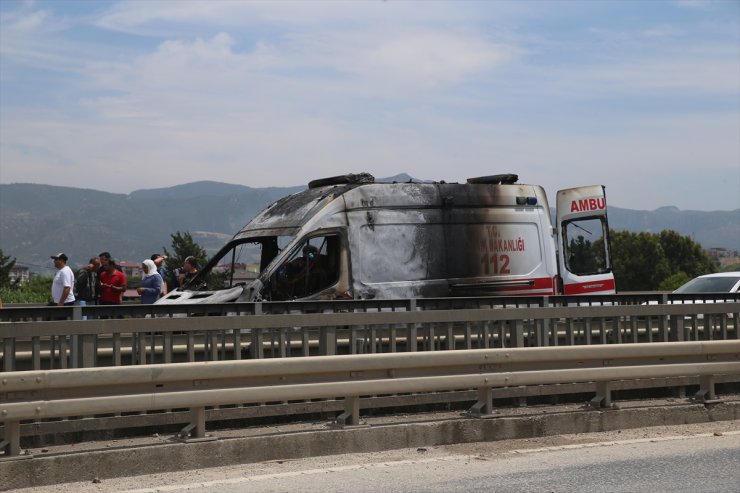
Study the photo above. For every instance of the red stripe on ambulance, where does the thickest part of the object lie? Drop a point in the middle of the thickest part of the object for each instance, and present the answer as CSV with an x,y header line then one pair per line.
x,y
591,287
541,286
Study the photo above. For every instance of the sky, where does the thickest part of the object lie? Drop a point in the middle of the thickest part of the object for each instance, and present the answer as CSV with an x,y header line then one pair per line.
x,y
640,96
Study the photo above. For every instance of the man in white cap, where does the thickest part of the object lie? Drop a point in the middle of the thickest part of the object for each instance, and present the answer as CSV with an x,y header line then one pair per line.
x,y
64,280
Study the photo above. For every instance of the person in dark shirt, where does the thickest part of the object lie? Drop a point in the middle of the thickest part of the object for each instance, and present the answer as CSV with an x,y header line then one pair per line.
x,y
189,271
86,283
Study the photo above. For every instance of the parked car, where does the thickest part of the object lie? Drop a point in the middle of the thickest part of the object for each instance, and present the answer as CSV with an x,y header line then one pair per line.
x,y
721,282
709,288
706,288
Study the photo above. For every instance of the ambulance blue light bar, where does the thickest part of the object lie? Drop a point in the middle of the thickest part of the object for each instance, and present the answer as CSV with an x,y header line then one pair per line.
x,y
526,201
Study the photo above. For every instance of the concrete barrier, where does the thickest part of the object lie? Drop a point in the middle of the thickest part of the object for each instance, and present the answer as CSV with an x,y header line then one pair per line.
x,y
68,465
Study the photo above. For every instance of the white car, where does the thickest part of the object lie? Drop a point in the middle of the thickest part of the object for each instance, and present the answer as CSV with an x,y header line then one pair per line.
x,y
721,282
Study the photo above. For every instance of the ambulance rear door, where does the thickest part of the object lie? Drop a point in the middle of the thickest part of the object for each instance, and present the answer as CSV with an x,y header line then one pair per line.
x,y
584,257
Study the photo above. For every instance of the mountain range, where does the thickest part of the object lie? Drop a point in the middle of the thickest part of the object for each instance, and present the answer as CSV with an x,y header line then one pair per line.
x,y
37,221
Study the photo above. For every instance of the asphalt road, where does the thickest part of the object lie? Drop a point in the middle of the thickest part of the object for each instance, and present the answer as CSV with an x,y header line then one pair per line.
x,y
691,458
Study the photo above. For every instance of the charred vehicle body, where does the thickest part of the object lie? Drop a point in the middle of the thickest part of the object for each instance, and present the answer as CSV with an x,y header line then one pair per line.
x,y
351,237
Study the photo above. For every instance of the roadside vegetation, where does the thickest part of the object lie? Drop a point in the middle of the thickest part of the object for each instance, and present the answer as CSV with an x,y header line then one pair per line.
x,y
36,290
656,261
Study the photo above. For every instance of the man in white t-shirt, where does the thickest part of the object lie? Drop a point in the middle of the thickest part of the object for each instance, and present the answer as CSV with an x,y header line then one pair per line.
x,y
61,286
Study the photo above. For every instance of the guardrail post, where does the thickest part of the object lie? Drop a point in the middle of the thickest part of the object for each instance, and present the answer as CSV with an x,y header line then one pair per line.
x,y
412,340
167,347
411,337
258,339
140,348
305,342
706,390
518,339
75,349
198,418
570,335
677,328
283,342
9,354
11,444
351,414
196,430
87,350
327,341
484,405
545,325
356,343
603,397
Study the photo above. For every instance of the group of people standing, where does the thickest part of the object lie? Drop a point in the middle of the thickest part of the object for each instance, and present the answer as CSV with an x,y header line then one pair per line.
x,y
103,282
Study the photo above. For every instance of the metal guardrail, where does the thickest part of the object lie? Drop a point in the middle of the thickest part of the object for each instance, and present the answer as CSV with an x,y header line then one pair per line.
x,y
39,395
288,330
28,313
334,328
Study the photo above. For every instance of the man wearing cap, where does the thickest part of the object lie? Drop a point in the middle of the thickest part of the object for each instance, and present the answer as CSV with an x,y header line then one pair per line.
x,y
61,286
158,262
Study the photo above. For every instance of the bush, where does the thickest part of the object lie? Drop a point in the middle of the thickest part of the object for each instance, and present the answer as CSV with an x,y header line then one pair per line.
x,y
674,281
36,290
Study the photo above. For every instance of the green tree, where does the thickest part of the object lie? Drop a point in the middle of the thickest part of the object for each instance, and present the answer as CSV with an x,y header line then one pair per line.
x,y
6,264
649,261
685,255
638,260
582,258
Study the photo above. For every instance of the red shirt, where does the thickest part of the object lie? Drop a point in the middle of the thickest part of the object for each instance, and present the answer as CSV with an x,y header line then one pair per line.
x,y
111,296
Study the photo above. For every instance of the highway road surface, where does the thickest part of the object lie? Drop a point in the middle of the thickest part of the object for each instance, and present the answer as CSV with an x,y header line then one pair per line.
x,y
691,458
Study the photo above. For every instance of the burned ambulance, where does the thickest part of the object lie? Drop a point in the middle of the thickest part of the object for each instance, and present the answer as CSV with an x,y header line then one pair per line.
x,y
350,237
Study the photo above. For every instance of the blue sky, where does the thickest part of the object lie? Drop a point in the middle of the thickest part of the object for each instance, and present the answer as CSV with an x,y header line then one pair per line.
x,y
641,96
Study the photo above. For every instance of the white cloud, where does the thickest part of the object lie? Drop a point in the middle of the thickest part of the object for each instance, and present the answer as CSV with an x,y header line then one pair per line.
x,y
24,22
147,17
210,78
715,75
663,31
430,58
35,38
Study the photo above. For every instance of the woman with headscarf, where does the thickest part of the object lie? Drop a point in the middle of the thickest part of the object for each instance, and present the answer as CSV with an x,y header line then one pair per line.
x,y
151,284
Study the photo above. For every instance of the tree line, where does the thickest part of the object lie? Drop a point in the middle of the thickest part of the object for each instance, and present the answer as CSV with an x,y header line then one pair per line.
x,y
641,262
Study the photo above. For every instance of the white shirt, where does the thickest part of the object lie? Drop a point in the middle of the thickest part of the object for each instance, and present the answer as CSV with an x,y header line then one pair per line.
x,y
63,278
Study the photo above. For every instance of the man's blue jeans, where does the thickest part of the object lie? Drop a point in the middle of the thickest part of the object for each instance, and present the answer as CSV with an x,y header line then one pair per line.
x,y
84,303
